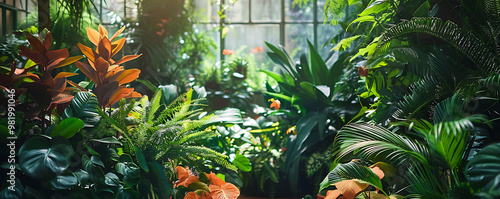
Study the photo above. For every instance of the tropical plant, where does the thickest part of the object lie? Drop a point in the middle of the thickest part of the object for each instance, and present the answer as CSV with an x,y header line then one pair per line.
x,y
162,137
321,102
109,77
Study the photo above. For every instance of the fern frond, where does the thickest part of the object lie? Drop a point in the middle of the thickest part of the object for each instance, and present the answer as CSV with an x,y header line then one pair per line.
x,y
465,42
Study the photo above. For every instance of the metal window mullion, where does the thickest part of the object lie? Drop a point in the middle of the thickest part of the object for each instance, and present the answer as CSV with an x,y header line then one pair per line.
x,y
100,11
4,21
124,8
315,23
221,25
282,23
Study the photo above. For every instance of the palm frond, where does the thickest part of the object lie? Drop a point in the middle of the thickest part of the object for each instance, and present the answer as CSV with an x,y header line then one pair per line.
x,y
369,141
422,93
465,42
424,181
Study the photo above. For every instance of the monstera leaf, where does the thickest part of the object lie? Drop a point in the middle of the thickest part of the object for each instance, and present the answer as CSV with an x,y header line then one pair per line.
x,y
42,157
83,106
484,172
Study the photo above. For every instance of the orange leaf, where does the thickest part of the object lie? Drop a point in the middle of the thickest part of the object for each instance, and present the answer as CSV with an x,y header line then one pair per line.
x,y
117,46
88,52
93,35
117,33
332,194
126,59
214,179
103,32
69,60
76,85
350,188
134,95
192,195
378,171
65,74
225,191
121,92
126,76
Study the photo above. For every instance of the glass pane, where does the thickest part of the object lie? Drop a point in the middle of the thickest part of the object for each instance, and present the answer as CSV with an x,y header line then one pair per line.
x,y
266,10
298,13
238,12
9,2
206,11
296,36
112,10
249,39
211,31
21,4
325,35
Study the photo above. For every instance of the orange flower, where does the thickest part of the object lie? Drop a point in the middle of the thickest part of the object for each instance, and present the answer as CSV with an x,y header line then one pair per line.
x,y
227,52
275,104
257,50
291,130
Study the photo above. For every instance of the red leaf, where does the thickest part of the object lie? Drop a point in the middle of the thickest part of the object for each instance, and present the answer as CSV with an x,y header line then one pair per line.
x,y
47,41
104,49
35,43
89,71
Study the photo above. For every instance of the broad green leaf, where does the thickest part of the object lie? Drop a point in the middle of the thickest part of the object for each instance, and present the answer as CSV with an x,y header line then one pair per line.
x,y
83,106
169,93
141,159
318,67
107,140
68,127
112,179
130,171
423,10
64,182
43,158
376,7
164,186
361,19
484,169
275,76
225,116
243,163
93,166
280,96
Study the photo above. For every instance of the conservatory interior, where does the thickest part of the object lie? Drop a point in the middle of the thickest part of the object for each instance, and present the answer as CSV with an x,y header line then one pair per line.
x,y
225,99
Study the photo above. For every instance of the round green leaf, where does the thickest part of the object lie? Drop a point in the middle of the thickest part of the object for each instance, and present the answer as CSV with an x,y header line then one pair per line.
x,y
243,163
43,158
484,172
